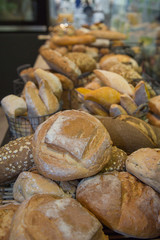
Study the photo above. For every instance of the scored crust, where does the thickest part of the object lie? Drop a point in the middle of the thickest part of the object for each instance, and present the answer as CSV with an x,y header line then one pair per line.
x,y
71,145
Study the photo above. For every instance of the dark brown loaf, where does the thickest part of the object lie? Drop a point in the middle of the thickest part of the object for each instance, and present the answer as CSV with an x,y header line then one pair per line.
x,y
46,217
145,165
29,184
71,145
122,203
15,157
7,212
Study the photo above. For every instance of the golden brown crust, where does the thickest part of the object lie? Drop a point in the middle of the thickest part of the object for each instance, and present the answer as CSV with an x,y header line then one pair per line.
x,y
71,145
28,75
67,84
72,40
153,119
47,217
7,212
111,35
60,63
124,204
154,104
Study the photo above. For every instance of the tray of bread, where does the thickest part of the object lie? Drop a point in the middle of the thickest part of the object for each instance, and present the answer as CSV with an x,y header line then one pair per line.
x,y
89,168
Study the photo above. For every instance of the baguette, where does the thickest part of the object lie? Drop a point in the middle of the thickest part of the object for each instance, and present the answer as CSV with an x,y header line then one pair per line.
x,y
111,35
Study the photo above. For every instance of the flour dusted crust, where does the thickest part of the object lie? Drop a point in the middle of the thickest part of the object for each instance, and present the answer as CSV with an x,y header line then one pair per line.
x,y
122,203
71,145
46,217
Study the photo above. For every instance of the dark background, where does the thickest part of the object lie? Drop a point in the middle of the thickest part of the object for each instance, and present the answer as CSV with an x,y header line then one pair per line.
x,y
15,49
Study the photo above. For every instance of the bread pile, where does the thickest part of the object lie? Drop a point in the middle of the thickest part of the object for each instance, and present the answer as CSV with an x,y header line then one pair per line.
x,y
83,182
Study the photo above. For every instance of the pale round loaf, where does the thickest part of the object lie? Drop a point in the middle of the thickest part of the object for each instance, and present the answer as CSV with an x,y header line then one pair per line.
x,y
122,203
71,145
29,184
44,217
145,165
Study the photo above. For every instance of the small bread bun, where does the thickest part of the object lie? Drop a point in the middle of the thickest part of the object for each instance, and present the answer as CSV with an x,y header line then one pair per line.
x,y
15,157
29,184
122,203
144,164
13,105
45,217
71,145
7,212
101,43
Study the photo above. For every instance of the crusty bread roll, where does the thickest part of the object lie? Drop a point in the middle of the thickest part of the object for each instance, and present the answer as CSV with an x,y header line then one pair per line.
x,y
45,217
72,40
7,212
154,104
144,164
48,97
71,145
60,63
29,184
122,203
35,105
104,34
67,84
114,81
52,80
15,157
13,105
83,61
101,43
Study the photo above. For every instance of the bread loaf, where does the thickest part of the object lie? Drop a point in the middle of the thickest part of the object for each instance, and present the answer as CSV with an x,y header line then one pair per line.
x,y
28,75
114,81
15,157
128,104
46,217
154,104
60,63
13,105
122,203
48,97
104,34
34,103
67,84
144,164
71,145
72,40
153,119
7,212
51,79
29,184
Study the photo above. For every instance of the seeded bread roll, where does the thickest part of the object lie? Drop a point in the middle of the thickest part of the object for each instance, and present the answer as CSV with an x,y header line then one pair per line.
x,y
29,184
71,145
7,212
122,203
145,165
45,217
15,157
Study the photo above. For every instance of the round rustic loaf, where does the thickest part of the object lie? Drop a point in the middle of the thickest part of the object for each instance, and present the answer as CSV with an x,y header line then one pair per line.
x,y
71,145
46,217
122,203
